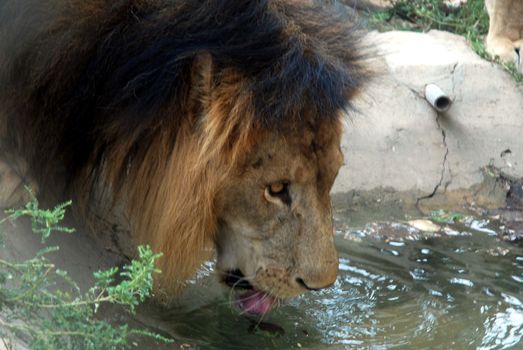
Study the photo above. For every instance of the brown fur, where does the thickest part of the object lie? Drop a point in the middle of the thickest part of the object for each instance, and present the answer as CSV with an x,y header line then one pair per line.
x,y
505,35
83,112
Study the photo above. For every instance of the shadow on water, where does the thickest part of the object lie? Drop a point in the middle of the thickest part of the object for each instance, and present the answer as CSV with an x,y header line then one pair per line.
x,y
461,288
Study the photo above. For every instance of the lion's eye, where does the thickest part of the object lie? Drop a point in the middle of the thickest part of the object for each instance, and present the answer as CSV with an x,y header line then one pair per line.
x,y
278,192
276,188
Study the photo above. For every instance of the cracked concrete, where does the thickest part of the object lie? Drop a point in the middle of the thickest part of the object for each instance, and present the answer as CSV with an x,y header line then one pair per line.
x,y
444,165
400,151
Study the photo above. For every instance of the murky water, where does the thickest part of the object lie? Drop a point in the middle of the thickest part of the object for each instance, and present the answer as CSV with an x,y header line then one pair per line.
x,y
461,288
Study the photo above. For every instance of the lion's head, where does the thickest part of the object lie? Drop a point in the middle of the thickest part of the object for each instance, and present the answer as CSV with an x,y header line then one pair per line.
x,y
275,232
210,125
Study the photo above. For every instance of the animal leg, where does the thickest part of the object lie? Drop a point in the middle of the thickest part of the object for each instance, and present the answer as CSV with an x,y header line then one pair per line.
x,y
499,41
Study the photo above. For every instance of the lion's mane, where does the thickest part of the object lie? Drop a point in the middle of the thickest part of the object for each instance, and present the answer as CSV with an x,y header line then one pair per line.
x,y
114,95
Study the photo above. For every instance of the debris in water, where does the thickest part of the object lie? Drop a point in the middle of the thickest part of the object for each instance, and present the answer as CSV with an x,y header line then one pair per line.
x,y
425,225
498,251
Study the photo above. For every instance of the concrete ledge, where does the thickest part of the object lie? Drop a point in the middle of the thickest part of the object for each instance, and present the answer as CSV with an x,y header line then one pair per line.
x,y
400,150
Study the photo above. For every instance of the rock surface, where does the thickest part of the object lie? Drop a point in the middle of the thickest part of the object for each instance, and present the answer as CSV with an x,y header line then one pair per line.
x,y
399,150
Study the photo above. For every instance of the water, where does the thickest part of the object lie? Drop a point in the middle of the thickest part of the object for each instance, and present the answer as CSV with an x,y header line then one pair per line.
x,y
459,288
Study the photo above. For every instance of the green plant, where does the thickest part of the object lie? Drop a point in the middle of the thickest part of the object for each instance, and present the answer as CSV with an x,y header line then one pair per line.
x,y
470,19
512,70
43,221
444,216
39,313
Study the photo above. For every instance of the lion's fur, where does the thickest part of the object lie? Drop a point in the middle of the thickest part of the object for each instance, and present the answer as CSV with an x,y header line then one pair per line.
x,y
156,102
505,35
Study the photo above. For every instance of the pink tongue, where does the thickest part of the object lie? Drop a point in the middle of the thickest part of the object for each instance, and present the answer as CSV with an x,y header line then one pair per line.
x,y
255,302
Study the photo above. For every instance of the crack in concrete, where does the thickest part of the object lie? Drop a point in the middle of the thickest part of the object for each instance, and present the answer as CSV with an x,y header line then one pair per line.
x,y
453,69
444,165
453,79
415,92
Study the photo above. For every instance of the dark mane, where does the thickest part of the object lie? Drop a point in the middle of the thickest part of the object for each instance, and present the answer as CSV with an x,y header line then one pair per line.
x,y
312,64
112,65
143,111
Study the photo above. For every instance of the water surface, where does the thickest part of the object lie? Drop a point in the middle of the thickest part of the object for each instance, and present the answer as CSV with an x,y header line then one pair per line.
x,y
399,288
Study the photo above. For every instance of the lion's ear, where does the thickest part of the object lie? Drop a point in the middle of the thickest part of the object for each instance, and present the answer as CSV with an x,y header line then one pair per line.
x,y
201,81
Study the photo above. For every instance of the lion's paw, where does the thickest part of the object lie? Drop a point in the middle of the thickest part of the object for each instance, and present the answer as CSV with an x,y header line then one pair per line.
x,y
506,50
501,47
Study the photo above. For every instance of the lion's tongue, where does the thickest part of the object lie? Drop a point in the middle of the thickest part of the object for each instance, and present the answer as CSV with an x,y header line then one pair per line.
x,y
255,302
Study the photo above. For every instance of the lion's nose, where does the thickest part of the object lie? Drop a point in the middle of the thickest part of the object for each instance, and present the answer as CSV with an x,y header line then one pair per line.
x,y
302,283
319,281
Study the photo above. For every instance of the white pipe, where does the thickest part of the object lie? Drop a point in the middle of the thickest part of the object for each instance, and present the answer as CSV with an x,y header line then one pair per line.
x,y
437,98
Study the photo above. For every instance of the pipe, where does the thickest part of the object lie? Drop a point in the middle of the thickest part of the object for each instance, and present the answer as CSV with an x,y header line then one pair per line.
x,y
437,98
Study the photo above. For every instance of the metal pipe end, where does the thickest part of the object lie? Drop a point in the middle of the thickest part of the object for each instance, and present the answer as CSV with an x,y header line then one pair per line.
x,y
437,98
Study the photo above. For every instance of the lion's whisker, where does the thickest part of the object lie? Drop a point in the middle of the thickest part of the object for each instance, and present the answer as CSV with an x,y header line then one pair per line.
x,y
230,299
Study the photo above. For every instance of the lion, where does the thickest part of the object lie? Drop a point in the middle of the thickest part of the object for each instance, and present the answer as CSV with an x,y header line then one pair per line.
x,y
505,35
204,125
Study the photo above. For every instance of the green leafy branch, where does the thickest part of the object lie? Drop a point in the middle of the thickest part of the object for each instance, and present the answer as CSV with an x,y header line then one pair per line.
x,y
43,221
42,307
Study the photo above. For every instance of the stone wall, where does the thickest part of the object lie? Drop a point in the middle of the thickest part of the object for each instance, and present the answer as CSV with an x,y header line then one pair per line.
x,y
399,150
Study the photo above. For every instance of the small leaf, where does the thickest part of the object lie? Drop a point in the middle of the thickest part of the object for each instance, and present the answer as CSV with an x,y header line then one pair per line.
x,y
444,216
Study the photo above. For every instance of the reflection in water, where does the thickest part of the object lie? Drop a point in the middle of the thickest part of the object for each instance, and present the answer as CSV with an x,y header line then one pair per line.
x,y
463,290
